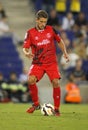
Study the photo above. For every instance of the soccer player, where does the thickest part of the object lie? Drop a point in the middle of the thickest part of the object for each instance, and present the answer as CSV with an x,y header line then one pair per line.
x,y
41,41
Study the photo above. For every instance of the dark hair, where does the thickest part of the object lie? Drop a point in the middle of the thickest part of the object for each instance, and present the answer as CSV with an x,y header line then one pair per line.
x,y
41,14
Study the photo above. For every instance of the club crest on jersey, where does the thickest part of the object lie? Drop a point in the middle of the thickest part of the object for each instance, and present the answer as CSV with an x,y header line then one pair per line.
x,y
36,38
44,42
48,35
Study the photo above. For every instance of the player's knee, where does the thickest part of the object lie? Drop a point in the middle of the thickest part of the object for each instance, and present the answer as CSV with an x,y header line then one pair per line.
x,y
55,83
32,80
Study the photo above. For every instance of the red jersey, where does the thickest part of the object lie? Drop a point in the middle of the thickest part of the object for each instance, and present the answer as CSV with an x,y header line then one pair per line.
x,y
42,44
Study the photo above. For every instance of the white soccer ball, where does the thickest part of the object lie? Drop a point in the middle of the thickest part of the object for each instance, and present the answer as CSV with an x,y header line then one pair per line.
x,y
47,109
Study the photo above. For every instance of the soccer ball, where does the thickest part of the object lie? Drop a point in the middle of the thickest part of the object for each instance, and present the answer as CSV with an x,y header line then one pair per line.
x,y
47,109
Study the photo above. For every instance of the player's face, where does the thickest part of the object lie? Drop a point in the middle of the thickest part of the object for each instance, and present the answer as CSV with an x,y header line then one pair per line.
x,y
41,23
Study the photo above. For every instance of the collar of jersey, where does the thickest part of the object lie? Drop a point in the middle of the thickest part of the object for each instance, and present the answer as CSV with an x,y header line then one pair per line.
x,y
40,30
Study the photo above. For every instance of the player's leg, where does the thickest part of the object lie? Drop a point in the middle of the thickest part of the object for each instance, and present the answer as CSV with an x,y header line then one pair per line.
x,y
34,94
56,95
32,79
35,74
54,75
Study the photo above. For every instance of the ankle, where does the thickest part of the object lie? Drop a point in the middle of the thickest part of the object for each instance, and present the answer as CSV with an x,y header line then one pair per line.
x,y
56,108
36,104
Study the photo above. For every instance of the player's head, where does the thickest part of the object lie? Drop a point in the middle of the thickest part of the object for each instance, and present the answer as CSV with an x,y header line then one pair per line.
x,y
41,19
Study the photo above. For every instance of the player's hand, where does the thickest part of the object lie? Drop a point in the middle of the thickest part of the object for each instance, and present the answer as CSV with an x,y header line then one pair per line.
x,y
29,55
66,57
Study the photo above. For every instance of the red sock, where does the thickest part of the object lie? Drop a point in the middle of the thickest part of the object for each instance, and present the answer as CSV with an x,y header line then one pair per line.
x,y
34,94
56,97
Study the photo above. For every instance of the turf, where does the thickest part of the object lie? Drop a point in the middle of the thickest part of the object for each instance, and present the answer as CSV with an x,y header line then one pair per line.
x,y
14,117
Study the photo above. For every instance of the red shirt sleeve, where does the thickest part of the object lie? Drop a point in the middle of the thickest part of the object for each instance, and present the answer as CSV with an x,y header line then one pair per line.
x,y
27,41
56,36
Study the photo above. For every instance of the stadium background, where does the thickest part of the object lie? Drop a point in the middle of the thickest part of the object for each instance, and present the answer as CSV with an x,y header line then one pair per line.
x,y
20,16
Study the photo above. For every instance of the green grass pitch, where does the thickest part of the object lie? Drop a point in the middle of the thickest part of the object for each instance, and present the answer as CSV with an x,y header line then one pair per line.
x,y
14,117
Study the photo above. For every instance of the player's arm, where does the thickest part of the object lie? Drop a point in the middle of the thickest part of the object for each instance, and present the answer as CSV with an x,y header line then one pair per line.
x,y
63,49
61,45
26,46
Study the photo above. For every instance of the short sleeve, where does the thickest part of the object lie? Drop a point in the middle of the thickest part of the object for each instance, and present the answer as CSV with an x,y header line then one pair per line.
x,y
56,36
27,40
